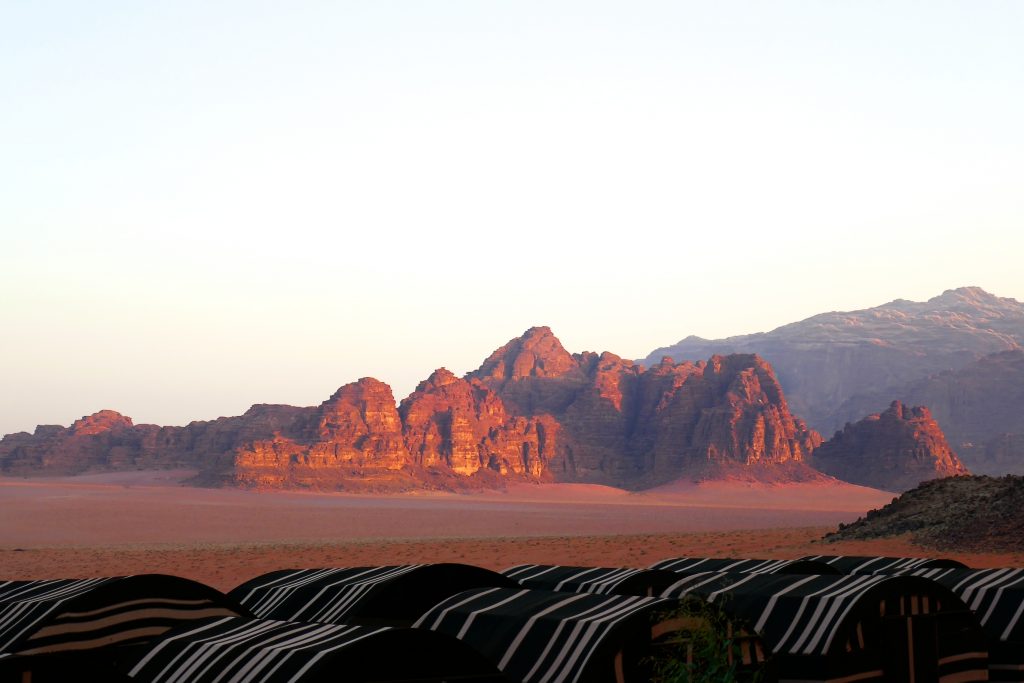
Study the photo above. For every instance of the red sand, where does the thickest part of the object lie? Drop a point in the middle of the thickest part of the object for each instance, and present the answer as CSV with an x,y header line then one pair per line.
x,y
123,523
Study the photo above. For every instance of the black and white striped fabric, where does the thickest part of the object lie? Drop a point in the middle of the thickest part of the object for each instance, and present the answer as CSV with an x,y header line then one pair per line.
x,y
238,650
716,564
856,564
845,622
395,595
996,596
549,637
600,580
38,617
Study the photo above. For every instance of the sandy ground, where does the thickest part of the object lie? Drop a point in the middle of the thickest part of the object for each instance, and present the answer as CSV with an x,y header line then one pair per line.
x,y
128,523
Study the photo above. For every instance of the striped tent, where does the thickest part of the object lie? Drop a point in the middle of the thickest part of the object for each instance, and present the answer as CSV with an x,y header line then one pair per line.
x,y
47,626
240,650
393,595
603,581
688,565
841,628
996,596
857,564
549,637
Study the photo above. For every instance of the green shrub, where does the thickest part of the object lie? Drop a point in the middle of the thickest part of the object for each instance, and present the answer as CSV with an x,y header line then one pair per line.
x,y
703,645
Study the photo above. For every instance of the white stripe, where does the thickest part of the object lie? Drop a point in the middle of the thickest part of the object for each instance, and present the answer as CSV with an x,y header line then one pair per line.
x,y
766,613
443,613
472,615
517,641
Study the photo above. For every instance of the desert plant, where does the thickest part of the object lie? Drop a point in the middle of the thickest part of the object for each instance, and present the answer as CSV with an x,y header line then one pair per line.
x,y
702,644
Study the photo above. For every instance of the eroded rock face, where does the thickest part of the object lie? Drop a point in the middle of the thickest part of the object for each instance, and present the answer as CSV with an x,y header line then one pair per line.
x,y
463,425
894,450
532,410
623,425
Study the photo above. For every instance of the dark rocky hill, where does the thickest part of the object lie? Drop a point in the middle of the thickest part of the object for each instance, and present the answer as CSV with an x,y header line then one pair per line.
x,y
971,513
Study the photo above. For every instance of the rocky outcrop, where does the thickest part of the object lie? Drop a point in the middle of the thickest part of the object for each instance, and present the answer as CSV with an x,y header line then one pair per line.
x,y
463,425
622,424
531,411
894,450
979,407
969,513
825,360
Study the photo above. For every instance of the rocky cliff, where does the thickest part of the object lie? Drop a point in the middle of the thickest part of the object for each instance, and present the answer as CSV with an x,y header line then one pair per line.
x,y
531,411
825,360
894,450
621,423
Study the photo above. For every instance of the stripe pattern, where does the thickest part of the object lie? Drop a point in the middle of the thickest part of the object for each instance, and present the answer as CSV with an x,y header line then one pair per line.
x,y
237,650
39,617
599,580
714,564
856,564
395,595
547,637
996,596
849,618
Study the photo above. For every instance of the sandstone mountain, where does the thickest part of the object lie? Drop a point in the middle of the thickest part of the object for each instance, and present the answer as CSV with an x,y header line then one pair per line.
x,y
824,361
975,513
531,411
980,408
894,450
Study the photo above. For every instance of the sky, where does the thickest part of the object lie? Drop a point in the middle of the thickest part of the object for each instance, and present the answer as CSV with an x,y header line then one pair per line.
x,y
206,205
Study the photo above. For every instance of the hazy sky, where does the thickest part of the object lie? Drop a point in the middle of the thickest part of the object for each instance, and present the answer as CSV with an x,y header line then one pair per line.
x,y
205,205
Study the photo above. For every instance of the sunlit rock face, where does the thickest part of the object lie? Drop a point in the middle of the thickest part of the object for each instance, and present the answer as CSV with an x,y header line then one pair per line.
x,y
621,424
894,450
463,425
532,411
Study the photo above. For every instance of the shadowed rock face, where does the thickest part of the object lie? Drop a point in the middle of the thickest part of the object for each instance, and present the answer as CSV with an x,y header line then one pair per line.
x,y
980,408
827,359
894,450
531,411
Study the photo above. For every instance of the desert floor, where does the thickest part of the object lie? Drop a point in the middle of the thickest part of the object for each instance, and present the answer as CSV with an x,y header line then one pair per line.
x,y
129,523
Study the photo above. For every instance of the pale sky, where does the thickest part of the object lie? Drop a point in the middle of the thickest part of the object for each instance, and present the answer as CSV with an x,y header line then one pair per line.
x,y
206,205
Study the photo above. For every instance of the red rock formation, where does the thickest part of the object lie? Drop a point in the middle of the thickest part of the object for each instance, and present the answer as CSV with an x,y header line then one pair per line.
x,y
895,450
463,425
532,410
623,425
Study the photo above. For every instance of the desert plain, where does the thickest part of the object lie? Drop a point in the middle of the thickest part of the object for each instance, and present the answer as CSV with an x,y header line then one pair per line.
x,y
138,522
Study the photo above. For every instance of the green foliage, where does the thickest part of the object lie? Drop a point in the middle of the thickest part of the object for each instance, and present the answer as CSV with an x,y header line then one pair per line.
x,y
704,646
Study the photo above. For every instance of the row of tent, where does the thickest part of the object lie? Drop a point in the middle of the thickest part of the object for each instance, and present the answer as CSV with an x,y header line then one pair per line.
x,y
822,618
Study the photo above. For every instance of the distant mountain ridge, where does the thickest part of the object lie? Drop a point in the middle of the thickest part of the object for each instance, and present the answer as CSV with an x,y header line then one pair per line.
x,y
532,411
836,367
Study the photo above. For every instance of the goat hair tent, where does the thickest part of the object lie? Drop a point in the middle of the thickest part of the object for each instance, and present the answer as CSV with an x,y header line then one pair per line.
x,y
857,564
833,628
240,650
996,596
49,626
689,565
534,635
603,581
393,595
